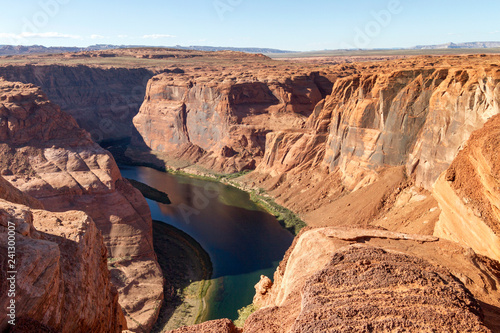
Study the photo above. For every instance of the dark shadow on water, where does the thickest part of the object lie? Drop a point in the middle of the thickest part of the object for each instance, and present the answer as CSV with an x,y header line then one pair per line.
x,y
242,240
182,261
118,148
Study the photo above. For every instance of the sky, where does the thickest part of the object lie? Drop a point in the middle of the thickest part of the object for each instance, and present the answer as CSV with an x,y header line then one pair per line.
x,y
281,24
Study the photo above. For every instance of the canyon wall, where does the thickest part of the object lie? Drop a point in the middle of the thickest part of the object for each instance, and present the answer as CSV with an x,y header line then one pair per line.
x,y
45,154
221,121
315,137
416,113
419,118
468,193
102,100
62,279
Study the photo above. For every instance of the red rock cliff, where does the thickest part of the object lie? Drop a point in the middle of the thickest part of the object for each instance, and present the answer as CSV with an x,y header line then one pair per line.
x,y
386,116
311,143
62,280
221,120
45,154
468,193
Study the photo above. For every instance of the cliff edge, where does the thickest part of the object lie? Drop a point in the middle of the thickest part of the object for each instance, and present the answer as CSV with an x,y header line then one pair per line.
x,y
45,154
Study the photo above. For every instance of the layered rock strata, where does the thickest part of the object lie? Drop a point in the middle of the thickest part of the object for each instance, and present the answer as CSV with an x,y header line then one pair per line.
x,y
62,282
213,326
45,154
221,122
102,100
359,280
314,136
468,193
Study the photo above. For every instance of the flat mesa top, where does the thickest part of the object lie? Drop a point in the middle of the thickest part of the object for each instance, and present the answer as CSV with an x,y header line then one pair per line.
x,y
240,66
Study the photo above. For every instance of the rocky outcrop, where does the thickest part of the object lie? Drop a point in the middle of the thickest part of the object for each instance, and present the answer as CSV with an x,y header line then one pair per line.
x,y
62,280
102,100
468,193
337,297
12,194
45,154
365,279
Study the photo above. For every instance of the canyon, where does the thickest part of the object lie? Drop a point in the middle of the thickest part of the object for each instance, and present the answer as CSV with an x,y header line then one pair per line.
x,y
392,165
46,155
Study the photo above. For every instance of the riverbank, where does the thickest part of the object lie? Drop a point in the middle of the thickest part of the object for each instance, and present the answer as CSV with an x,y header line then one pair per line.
x,y
287,218
187,269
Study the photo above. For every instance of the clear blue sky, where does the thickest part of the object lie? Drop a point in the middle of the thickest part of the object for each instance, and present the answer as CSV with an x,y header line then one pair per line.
x,y
283,24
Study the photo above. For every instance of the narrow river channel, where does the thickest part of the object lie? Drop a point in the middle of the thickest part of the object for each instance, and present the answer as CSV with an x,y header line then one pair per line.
x,y
243,240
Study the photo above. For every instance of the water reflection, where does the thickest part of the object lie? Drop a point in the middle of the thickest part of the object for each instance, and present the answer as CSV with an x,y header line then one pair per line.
x,y
242,240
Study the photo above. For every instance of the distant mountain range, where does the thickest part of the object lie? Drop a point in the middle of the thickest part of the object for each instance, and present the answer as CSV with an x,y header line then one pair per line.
x,y
470,45
239,49
40,49
6,50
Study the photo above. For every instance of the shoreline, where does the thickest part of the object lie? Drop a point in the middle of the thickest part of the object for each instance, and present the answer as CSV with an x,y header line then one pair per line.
x,y
207,287
286,218
187,269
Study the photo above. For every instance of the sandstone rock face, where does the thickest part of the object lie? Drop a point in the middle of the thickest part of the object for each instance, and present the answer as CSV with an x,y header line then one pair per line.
x,y
338,279
102,100
469,194
12,194
50,158
416,113
62,281
224,117
313,137
418,118
346,283
213,326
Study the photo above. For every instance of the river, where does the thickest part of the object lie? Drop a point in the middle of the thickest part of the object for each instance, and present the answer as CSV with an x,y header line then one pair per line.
x,y
243,240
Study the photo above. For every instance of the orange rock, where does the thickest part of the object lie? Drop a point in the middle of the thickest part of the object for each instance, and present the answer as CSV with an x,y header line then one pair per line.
x,y
62,280
213,326
346,278
54,160
469,193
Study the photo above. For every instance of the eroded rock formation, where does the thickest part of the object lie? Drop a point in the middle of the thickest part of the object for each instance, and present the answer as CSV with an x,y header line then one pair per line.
x,y
102,100
45,154
361,280
62,280
213,326
322,134
221,121
468,193
419,118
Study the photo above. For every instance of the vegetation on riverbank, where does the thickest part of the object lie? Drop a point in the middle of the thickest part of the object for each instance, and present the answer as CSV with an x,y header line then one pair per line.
x,y
288,219
244,313
187,268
